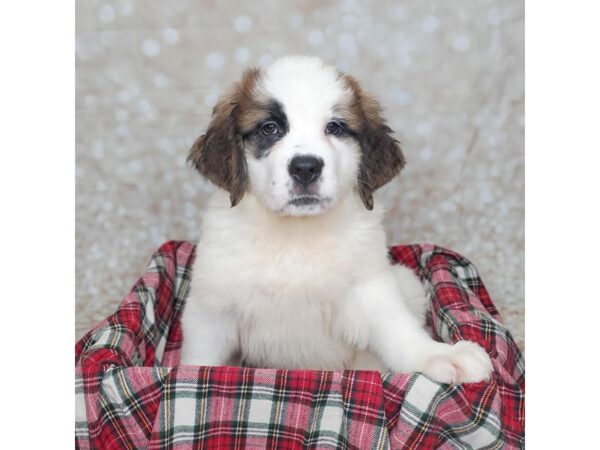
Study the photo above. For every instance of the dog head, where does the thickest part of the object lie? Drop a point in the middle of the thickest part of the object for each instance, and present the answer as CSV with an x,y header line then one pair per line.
x,y
300,136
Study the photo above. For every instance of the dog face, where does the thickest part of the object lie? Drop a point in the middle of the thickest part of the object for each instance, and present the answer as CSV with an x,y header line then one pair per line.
x,y
300,136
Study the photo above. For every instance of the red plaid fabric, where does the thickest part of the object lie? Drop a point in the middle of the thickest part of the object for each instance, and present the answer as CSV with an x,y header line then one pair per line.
x,y
131,392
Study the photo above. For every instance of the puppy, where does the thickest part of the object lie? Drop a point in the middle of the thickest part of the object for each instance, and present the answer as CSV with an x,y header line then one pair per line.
x,y
292,268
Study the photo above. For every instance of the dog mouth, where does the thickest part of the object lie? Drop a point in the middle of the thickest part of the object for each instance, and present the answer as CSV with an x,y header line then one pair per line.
x,y
301,205
309,200
306,200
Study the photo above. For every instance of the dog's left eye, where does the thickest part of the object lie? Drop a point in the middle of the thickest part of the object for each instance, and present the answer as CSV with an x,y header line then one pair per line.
x,y
269,128
333,128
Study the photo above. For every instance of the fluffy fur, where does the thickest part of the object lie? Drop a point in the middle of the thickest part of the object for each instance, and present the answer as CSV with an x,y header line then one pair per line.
x,y
296,275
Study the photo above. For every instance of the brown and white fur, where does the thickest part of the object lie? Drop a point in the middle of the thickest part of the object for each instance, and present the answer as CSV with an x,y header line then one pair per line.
x,y
292,268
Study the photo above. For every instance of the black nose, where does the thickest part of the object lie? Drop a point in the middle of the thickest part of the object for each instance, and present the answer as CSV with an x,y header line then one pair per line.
x,y
305,169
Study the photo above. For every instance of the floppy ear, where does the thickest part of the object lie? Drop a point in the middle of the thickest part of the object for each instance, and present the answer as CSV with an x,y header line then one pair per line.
x,y
381,155
219,154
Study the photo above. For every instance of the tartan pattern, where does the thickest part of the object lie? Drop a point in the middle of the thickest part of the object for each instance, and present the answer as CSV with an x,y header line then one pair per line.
x,y
131,392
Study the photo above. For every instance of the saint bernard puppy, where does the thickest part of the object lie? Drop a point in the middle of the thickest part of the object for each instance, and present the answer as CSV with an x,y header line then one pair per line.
x,y
292,267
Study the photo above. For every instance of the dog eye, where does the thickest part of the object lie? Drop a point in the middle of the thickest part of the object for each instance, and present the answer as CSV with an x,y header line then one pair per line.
x,y
269,128
333,128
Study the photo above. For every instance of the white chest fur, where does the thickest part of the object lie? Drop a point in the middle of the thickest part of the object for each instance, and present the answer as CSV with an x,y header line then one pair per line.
x,y
284,282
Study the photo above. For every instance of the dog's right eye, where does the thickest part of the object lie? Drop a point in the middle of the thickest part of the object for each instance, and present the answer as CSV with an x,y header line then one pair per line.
x,y
269,128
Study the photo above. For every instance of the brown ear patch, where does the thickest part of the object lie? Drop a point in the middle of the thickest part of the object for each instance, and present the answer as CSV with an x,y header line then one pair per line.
x,y
381,155
219,153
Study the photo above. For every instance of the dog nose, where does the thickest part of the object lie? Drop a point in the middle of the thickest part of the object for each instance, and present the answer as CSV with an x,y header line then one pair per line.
x,y
305,169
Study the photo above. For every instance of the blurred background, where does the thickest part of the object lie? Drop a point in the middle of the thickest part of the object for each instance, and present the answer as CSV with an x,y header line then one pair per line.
x,y
450,76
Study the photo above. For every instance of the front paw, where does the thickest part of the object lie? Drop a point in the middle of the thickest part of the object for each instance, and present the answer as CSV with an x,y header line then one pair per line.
x,y
463,362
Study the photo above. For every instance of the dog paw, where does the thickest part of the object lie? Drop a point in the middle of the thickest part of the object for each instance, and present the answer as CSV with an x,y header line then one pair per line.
x,y
463,362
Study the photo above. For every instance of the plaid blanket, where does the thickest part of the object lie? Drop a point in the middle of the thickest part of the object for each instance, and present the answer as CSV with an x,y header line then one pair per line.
x,y
131,393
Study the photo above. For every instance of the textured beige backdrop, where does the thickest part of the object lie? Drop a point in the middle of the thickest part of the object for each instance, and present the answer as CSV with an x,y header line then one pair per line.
x,y
449,75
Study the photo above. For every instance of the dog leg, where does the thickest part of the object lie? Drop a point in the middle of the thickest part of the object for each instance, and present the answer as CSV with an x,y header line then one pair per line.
x,y
209,339
385,324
